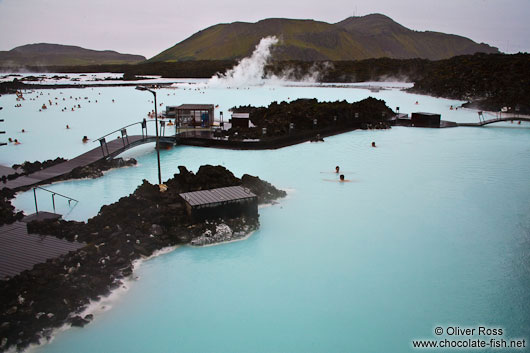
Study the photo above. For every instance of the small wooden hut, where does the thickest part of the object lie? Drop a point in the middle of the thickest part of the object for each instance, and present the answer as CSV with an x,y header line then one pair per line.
x,y
227,202
425,120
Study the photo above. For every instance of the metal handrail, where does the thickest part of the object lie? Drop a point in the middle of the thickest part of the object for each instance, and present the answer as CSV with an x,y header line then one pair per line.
x,y
70,199
118,130
121,128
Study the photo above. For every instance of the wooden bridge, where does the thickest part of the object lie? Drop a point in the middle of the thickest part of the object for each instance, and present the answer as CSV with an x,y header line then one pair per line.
x,y
496,120
106,150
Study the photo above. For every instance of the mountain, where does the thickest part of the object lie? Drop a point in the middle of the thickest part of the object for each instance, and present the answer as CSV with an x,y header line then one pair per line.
x,y
355,38
44,54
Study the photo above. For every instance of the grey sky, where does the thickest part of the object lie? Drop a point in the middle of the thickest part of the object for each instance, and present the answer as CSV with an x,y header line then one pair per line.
x,y
147,27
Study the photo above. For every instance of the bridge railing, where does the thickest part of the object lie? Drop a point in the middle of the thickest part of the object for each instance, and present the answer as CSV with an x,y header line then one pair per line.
x,y
125,136
70,199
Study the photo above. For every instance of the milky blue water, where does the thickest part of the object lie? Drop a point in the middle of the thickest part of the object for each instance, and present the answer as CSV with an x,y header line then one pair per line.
x,y
433,230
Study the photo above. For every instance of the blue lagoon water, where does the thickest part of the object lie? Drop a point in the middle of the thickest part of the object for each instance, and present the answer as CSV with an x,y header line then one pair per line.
x,y
433,230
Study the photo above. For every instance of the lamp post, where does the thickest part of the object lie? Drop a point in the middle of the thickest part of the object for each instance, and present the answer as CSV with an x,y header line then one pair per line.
x,y
143,88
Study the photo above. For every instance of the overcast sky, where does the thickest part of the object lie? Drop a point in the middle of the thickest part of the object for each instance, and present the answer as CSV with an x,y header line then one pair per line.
x,y
150,26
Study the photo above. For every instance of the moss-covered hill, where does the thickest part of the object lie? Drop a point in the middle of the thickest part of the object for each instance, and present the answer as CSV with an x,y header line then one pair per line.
x,y
45,54
355,38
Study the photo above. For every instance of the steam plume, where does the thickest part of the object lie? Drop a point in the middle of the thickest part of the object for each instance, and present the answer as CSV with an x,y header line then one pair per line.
x,y
249,71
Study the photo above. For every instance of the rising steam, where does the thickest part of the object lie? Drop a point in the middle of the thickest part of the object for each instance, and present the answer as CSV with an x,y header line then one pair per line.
x,y
250,71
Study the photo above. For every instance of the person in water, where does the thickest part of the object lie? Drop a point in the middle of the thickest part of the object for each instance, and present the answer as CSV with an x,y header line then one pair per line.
x,y
373,144
85,139
17,142
342,179
337,169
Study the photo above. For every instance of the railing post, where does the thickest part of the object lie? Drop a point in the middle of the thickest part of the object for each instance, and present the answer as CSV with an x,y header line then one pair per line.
x,y
162,128
123,136
53,202
144,127
35,197
102,142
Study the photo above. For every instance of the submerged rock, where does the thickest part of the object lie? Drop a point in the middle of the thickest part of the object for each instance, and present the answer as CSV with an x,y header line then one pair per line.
x,y
78,321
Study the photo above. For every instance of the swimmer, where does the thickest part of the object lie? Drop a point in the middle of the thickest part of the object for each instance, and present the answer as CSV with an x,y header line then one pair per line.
x,y
337,169
85,139
17,142
10,139
417,102
67,126
342,179
23,131
373,144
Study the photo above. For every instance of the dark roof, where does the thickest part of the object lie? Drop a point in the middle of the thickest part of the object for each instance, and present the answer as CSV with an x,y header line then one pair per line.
x,y
428,114
20,251
195,106
205,197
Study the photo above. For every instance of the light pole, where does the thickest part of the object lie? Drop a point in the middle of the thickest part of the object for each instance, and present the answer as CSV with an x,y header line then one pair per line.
x,y
143,88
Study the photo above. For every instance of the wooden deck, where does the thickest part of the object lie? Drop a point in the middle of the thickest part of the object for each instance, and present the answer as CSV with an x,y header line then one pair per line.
x,y
20,251
113,148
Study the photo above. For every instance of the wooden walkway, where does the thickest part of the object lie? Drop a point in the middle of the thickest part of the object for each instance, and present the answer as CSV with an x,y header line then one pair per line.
x,y
112,149
496,120
20,251
6,171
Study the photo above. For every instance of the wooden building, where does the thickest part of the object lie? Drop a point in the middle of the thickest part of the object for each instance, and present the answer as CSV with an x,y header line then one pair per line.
x,y
425,120
227,202
201,115
240,120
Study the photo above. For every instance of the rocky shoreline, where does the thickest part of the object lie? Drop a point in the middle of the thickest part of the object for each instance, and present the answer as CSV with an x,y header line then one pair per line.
x,y
94,170
55,293
14,86
7,210
310,117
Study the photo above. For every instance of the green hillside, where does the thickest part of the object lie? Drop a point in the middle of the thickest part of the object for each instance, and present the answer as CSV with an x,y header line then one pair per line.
x,y
44,54
355,38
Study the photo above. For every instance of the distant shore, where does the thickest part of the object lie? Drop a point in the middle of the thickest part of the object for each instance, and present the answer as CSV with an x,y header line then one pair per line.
x,y
480,79
12,87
